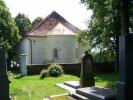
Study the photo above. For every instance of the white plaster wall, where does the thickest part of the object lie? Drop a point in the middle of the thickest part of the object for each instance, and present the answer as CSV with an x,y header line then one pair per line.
x,y
38,53
60,29
42,49
60,38
39,50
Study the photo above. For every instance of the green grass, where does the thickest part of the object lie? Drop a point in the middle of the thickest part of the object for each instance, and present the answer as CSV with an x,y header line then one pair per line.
x,y
106,80
33,88
61,98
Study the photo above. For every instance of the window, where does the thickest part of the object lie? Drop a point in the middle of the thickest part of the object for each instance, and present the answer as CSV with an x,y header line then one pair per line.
x,y
76,52
56,53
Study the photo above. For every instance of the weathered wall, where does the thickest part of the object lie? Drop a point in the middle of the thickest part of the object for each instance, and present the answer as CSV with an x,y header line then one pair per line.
x,y
42,49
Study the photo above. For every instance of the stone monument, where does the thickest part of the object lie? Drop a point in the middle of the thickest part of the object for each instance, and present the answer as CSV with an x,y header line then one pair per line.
x,y
87,71
23,64
4,82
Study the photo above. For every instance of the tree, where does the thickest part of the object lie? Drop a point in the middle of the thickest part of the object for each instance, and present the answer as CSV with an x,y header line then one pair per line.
x,y
8,30
23,23
104,28
36,21
9,33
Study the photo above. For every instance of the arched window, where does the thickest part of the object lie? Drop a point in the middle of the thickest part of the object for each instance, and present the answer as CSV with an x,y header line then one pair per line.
x,y
56,53
76,52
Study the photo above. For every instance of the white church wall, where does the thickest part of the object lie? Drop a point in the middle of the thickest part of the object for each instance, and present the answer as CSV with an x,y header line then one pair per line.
x,y
43,47
38,53
39,50
65,45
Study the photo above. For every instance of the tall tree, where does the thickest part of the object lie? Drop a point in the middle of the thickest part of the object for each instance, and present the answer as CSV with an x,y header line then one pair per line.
x,y
9,33
8,29
23,23
104,28
36,21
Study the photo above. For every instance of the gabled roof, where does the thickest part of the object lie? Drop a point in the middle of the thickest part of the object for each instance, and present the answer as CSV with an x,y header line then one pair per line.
x,y
43,28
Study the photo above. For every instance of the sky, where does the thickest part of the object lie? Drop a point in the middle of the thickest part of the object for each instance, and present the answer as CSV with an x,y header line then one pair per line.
x,y
72,10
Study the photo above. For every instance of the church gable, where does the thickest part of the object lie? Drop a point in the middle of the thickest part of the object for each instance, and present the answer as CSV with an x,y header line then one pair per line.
x,y
49,23
60,29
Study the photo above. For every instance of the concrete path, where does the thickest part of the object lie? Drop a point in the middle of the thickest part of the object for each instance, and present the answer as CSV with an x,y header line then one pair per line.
x,y
66,87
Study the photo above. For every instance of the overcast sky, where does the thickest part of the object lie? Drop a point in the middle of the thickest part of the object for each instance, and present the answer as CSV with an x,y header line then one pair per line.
x,y
71,10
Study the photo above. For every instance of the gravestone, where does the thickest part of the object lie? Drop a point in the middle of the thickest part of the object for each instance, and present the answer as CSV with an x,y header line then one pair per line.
x,y
23,64
125,83
4,82
87,72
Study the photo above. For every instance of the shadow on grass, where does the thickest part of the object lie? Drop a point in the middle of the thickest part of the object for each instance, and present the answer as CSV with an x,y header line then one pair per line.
x,y
110,80
106,77
111,85
14,74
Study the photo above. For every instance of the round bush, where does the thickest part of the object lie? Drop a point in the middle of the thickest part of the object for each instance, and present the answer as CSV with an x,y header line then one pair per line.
x,y
43,74
55,70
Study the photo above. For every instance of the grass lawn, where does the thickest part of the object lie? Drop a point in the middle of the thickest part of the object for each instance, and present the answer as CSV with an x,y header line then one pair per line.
x,y
33,88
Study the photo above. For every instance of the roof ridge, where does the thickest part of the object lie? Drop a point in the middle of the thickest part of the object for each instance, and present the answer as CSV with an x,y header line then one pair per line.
x,y
41,22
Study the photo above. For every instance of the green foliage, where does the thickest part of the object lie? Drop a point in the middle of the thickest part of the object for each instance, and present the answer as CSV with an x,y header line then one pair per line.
x,y
104,28
55,70
23,23
43,74
83,38
104,56
36,21
8,30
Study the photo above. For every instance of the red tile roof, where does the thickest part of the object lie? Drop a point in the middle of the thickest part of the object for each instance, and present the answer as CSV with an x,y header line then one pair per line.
x,y
49,23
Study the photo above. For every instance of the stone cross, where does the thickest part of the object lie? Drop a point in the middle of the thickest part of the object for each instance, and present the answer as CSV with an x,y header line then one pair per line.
x,y
87,72
4,82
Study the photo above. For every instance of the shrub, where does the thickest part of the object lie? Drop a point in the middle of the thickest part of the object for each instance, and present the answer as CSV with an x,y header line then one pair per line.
x,y
55,70
43,74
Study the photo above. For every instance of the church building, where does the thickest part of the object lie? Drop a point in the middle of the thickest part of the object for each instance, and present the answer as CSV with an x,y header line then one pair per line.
x,y
54,40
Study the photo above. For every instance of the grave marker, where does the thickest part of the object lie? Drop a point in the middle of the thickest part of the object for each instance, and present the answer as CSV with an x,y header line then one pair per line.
x,y
87,72
23,64
4,82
